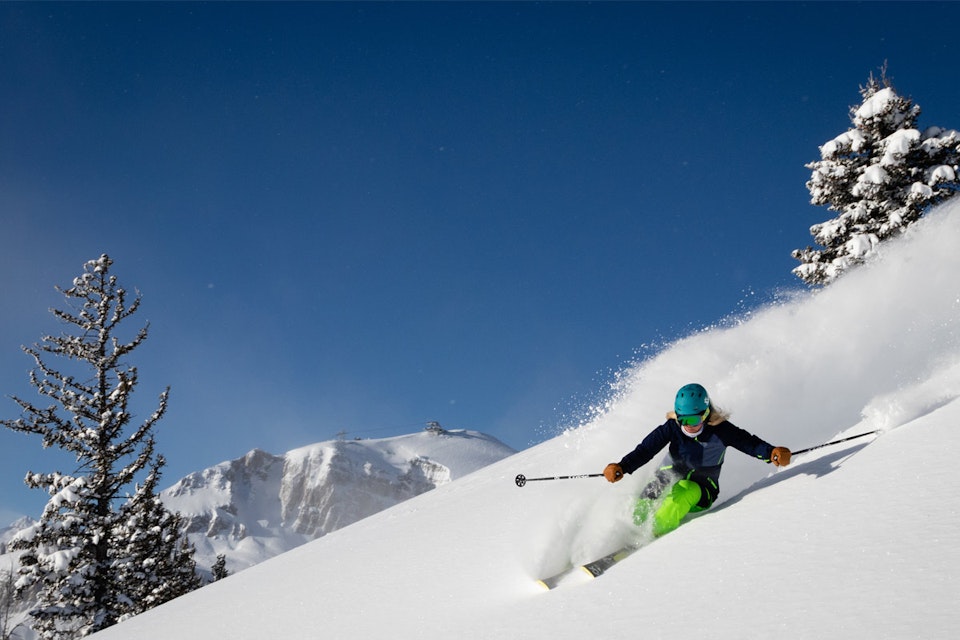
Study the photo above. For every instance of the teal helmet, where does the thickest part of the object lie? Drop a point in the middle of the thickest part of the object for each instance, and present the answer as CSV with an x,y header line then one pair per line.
x,y
692,399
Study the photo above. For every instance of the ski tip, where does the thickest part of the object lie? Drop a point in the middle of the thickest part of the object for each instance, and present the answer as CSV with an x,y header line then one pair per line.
x,y
546,584
593,573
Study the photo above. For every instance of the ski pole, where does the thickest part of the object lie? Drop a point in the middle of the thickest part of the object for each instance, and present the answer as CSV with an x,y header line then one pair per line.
x,y
827,444
522,479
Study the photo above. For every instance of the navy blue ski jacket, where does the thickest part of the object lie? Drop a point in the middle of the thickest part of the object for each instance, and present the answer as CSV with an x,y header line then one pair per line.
x,y
699,458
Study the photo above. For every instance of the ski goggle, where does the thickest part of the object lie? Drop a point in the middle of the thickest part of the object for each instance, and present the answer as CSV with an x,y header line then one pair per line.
x,y
693,420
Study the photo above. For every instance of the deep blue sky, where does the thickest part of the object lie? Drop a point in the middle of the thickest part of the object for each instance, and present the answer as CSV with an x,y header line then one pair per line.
x,y
366,216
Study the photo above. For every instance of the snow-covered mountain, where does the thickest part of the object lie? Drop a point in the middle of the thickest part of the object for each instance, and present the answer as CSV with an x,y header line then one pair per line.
x,y
260,505
7,533
851,541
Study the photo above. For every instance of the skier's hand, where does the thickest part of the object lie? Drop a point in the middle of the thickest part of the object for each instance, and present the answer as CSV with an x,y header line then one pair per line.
x,y
613,472
780,456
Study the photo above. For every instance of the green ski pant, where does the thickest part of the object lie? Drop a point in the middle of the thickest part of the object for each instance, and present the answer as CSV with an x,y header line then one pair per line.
x,y
681,500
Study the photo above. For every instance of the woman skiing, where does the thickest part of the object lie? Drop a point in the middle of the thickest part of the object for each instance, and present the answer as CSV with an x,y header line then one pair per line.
x,y
698,434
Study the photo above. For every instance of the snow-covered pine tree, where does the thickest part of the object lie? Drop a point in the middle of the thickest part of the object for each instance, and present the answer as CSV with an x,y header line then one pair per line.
x,y
880,176
154,559
7,602
219,568
78,554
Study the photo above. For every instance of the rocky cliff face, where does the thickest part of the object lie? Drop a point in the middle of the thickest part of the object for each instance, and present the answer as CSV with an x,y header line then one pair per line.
x,y
334,486
257,506
222,500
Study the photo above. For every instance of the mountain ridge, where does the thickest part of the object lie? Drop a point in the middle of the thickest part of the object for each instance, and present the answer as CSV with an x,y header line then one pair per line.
x,y
261,504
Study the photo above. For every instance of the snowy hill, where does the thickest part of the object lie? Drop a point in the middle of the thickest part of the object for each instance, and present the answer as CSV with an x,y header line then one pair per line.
x,y
850,541
260,505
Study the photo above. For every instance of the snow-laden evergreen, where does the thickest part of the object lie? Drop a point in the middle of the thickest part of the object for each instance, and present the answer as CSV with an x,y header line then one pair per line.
x,y
880,176
155,559
96,554
856,541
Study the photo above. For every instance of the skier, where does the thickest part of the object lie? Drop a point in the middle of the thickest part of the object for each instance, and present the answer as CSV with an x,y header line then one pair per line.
x,y
698,434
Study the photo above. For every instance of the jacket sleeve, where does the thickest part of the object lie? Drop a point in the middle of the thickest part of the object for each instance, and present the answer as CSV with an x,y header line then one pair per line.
x,y
655,441
746,442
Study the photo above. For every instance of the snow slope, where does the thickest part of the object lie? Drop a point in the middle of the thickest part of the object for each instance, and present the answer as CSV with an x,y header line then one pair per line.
x,y
851,541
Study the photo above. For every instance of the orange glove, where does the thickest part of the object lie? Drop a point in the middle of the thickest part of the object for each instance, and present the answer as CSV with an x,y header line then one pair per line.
x,y
613,472
780,456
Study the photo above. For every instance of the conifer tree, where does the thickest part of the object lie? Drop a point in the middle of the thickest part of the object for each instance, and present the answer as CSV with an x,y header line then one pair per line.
x,y
880,176
79,555
7,602
154,560
219,568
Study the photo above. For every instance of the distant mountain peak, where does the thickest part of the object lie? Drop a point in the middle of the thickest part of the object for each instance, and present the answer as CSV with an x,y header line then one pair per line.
x,y
256,506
